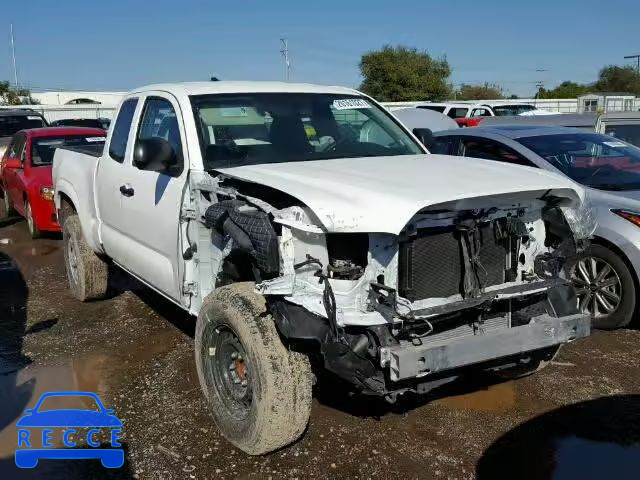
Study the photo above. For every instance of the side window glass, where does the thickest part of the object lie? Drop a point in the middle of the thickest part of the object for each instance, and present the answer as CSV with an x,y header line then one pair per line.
x,y
444,146
490,150
159,120
120,135
17,147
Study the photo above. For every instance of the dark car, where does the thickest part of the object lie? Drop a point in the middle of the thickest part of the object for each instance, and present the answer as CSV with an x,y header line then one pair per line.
x,y
82,122
14,120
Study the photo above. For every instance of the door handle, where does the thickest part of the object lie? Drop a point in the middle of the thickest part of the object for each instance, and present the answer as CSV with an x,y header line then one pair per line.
x,y
127,191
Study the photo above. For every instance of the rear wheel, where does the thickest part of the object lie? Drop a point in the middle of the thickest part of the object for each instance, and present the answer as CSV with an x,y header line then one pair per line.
x,y
259,393
88,274
34,231
604,287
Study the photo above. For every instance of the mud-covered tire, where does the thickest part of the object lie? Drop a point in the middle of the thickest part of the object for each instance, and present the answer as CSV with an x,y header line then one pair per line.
x,y
9,211
34,231
275,408
87,273
538,361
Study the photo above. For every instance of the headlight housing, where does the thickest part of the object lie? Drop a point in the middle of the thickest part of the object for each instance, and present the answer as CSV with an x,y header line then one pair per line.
x,y
46,193
633,217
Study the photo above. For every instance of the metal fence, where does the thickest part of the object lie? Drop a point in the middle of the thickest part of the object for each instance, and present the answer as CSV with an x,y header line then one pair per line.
x,y
61,112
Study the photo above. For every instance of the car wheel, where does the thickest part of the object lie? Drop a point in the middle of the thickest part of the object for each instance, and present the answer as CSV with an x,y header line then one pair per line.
x,y
604,287
258,391
537,362
9,211
34,231
87,273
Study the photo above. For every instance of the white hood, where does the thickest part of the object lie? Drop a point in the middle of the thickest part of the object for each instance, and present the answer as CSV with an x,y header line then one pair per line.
x,y
381,194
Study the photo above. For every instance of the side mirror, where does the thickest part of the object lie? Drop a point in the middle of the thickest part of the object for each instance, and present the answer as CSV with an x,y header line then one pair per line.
x,y
425,135
154,154
13,163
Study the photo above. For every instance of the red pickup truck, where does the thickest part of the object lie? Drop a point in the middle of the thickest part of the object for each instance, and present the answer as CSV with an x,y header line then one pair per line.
x,y
25,172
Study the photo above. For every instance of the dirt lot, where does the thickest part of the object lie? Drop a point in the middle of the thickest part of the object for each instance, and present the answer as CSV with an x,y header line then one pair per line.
x,y
579,418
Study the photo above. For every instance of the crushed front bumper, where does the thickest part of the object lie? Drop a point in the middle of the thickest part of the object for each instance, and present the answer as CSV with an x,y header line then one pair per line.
x,y
409,361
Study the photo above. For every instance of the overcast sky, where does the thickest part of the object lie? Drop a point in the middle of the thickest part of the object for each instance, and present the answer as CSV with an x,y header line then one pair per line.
x,y
119,44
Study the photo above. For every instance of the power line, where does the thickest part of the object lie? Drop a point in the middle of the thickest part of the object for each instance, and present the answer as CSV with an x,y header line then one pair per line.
x,y
285,54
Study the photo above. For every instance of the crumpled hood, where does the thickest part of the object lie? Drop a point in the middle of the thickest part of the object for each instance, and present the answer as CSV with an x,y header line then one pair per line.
x,y
381,194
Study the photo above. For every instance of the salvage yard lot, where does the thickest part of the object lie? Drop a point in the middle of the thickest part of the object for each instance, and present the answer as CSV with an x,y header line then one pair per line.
x,y
135,350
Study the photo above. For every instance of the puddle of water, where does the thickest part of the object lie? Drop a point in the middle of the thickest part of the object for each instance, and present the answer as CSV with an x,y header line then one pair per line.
x,y
158,343
42,250
578,458
494,398
22,390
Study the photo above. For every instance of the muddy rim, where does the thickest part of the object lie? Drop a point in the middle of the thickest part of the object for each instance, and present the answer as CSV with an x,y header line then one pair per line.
x,y
72,256
29,216
229,373
598,287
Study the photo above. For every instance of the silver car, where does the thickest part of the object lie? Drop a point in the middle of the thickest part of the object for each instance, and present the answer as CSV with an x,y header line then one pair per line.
x,y
606,276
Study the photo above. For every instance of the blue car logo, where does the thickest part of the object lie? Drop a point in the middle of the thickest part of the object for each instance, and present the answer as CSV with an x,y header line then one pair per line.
x,y
32,447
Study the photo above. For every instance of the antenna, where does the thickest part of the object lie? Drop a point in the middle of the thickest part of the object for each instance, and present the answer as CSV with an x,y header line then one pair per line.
x,y
284,42
13,54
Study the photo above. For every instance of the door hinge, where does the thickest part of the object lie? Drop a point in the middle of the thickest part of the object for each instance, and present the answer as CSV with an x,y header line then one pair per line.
x,y
190,288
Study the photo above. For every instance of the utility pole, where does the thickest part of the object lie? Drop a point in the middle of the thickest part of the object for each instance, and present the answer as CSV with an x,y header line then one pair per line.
x,y
13,54
284,42
637,57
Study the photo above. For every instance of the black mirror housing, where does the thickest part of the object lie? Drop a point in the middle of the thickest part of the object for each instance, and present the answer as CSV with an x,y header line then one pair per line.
x,y
425,135
154,154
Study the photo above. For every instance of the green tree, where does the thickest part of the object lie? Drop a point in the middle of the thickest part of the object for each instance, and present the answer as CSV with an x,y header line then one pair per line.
x,y
613,78
397,74
565,90
486,91
15,96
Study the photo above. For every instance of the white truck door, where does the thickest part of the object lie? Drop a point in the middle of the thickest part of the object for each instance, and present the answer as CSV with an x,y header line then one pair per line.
x,y
109,177
151,200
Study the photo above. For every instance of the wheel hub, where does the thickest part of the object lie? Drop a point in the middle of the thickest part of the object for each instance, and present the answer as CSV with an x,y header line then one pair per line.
x,y
598,287
73,261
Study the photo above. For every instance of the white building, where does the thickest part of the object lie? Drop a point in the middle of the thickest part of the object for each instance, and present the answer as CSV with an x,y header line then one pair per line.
x,y
108,99
607,102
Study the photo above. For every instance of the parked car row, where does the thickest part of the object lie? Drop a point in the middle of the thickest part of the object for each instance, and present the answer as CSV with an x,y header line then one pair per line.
x,y
313,235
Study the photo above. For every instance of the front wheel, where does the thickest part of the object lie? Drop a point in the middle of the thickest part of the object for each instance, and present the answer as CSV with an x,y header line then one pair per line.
x,y
604,287
34,231
9,211
259,393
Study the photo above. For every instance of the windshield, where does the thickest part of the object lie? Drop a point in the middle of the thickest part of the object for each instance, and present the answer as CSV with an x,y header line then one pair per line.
x,y
256,128
42,149
11,124
626,133
597,161
511,110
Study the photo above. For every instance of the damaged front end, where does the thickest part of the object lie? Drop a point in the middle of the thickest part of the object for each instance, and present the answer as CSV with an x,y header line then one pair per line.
x,y
471,284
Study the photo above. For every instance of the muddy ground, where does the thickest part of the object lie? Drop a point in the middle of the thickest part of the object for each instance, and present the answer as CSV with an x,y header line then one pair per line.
x,y
579,418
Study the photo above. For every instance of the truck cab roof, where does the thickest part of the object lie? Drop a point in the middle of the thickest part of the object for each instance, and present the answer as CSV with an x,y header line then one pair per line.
x,y
222,87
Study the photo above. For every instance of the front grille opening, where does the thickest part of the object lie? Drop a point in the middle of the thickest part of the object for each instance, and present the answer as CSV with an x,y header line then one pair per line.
x,y
431,262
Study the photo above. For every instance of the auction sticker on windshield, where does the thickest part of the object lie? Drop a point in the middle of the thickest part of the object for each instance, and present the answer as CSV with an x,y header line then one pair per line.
x,y
350,103
41,427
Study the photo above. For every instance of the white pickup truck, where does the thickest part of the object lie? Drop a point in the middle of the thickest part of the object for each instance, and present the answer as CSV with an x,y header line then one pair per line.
x,y
299,241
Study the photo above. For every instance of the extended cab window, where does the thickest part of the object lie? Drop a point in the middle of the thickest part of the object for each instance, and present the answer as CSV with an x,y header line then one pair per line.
x,y
260,128
492,150
159,120
118,145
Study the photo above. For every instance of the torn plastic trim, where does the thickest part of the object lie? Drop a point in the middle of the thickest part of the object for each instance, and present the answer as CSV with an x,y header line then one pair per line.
x,y
581,219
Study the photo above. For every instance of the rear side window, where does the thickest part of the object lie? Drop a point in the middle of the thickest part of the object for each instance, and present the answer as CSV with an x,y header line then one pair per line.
x,y
118,145
458,112
435,108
